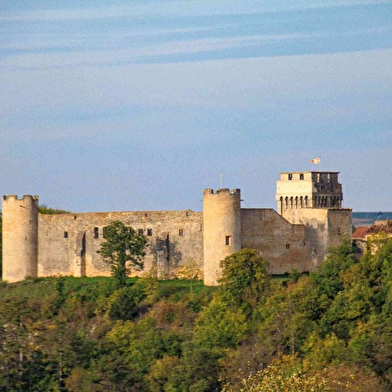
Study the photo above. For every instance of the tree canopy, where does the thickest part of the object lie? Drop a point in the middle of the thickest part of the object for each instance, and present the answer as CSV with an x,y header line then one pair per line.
x,y
244,278
330,330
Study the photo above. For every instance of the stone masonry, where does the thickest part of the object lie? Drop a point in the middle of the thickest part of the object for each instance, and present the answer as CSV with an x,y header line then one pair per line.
x,y
310,219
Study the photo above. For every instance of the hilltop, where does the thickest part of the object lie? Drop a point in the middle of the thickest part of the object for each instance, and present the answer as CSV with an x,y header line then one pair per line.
x,y
332,326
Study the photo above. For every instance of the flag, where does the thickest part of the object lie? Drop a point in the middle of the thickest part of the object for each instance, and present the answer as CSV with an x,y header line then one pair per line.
x,y
316,161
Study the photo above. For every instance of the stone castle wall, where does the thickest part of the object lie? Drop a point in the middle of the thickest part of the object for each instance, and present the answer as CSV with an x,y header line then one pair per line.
x,y
323,228
309,221
277,240
68,243
339,223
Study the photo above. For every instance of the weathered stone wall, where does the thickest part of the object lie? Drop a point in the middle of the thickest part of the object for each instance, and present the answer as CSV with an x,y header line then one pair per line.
x,y
339,223
309,221
281,243
323,228
316,231
68,243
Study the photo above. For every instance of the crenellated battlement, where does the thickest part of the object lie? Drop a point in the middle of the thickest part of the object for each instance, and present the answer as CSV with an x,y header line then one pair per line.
x,y
23,198
221,191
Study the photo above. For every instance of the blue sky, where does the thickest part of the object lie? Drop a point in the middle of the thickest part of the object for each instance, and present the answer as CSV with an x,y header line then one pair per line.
x,y
139,105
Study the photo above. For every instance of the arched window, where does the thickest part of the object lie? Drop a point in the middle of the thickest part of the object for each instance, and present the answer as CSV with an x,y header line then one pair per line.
x,y
306,201
96,232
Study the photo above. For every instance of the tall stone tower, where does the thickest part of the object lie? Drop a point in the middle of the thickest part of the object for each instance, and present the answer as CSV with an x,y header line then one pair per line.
x,y
297,190
20,237
222,230
314,199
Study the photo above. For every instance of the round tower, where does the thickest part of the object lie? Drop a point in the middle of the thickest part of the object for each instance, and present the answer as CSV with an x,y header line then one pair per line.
x,y
222,230
20,237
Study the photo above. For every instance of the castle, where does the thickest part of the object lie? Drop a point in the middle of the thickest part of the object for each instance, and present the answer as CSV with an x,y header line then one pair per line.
x,y
310,219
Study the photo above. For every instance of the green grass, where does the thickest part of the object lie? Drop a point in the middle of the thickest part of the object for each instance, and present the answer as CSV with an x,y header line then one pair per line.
x,y
186,285
91,288
39,288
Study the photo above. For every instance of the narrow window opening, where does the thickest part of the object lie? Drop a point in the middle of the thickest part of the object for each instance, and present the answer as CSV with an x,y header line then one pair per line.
x,y
65,234
140,231
149,232
228,240
181,232
96,232
287,246
301,176
290,177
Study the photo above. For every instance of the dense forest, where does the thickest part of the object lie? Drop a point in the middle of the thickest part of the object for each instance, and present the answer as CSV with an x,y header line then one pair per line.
x,y
330,330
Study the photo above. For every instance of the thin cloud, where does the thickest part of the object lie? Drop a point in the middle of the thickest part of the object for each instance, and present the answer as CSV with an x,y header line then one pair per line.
x,y
172,9
69,40
101,57
57,55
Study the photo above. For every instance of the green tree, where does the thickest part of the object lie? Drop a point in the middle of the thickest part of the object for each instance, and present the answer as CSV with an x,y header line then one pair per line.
x,y
220,326
196,370
123,305
328,277
122,250
244,279
43,209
